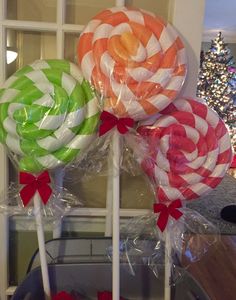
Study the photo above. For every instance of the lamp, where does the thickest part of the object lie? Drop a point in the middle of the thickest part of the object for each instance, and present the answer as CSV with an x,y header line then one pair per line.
x,y
11,54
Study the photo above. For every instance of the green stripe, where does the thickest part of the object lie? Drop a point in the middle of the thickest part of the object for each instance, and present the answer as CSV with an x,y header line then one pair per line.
x,y
4,111
30,164
77,98
21,83
23,71
31,131
59,64
87,90
88,126
53,75
31,147
66,155
3,135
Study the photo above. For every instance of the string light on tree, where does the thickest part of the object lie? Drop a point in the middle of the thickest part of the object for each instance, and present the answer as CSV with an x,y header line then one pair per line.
x,y
217,83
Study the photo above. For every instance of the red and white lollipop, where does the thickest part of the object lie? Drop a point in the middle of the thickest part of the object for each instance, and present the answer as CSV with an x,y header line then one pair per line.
x,y
190,150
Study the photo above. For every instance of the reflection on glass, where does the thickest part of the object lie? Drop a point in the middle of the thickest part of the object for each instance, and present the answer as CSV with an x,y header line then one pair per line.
x,y
30,45
70,52
33,10
81,11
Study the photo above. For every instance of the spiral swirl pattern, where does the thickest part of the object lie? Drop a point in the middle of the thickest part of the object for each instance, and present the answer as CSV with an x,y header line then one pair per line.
x,y
48,114
190,150
134,59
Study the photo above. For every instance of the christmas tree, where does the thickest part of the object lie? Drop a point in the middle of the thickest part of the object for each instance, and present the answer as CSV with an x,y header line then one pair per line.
x,y
217,83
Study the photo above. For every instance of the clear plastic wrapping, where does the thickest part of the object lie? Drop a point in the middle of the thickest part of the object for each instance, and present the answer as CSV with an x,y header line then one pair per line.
x,y
187,240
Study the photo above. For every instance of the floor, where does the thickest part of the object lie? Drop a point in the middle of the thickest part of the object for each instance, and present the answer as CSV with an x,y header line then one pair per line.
x,y
216,272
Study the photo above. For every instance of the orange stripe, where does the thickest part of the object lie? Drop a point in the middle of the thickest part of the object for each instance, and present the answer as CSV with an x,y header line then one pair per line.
x,y
145,89
117,50
156,25
116,105
148,107
180,70
99,47
102,15
116,19
171,94
142,33
179,43
170,59
84,45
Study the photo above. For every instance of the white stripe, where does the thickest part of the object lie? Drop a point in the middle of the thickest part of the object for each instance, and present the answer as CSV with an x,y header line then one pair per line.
x,y
49,161
172,31
160,101
139,73
91,27
212,117
50,143
165,121
183,105
161,176
201,125
192,134
50,122
141,54
46,101
153,46
81,141
162,162
175,83
13,107
164,144
92,107
37,76
102,31
200,188
10,127
64,134
119,29
191,178
224,143
181,57
166,40
76,73
14,145
134,109
8,95
172,193
162,77
45,87
107,64
9,81
40,64
68,83
190,156
122,91
87,65
135,16
75,118
220,170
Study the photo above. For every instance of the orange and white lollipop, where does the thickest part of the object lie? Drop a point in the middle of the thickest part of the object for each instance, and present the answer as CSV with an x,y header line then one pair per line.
x,y
134,59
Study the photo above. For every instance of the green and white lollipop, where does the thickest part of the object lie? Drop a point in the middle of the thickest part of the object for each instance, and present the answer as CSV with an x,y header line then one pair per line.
x,y
48,114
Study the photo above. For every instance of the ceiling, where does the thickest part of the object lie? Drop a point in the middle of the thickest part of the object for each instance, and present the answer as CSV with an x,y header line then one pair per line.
x,y
220,15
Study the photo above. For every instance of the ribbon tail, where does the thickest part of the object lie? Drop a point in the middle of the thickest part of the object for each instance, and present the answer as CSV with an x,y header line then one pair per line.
x,y
45,192
27,193
176,214
162,220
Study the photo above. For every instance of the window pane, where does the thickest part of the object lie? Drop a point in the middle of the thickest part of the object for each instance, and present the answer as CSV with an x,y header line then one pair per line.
x,y
30,45
33,10
70,52
81,11
159,7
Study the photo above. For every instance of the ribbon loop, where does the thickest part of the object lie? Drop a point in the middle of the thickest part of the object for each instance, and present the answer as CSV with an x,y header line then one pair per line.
x,y
166,211
34,184
109,121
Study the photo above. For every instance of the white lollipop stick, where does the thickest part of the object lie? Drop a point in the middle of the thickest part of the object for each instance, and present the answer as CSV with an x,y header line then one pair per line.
x,y
116,217
41,243
167,289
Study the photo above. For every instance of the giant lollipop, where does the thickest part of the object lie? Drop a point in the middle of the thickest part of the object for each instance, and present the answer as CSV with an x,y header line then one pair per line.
x,y
190,150
48,114
134,59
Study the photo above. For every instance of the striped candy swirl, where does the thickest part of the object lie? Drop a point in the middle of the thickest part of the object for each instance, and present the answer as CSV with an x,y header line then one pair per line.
x,y
190,149
48,114
135,60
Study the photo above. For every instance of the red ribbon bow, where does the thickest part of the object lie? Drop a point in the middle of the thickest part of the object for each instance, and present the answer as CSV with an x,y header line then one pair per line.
x,y
109,121
34,184
166,211
63,296
105,295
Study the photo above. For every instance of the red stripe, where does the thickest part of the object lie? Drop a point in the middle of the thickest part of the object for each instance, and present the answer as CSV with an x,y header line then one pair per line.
x,y
212,181
188,194
176,180
186,118
201,146
203,172
161,196
210,138
225,157
199,108
220,129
